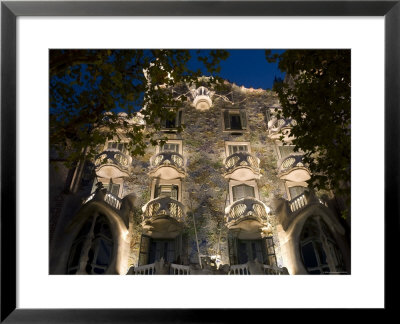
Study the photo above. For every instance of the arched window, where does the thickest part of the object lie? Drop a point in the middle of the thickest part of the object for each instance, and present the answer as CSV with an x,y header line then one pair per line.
x,y
91,251
319,251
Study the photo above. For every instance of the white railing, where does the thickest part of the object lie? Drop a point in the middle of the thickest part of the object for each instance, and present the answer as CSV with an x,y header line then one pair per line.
x,y
112,200
244,269
177,269
239,269
298,202
85,201
108,198
148,269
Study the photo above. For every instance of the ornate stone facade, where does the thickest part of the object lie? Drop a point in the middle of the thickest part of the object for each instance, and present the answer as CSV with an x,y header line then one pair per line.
x,y
218,198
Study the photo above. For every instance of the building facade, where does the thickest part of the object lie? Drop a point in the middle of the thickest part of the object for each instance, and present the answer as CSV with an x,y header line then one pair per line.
x,y
227,195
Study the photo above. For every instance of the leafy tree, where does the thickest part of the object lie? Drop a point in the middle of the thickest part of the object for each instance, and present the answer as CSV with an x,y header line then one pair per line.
x,y
90,88
316,94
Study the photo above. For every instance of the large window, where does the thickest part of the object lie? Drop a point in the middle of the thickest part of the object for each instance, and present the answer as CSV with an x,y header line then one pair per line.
x,y
235,120
243,251
152,250
94,245
242,191
319,251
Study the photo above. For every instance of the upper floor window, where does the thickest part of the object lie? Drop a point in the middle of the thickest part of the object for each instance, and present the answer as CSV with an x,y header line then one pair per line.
x,y
285,150
172,122
235,120
237,149
296,191
94,244
116,146
166,190
242,191
170,147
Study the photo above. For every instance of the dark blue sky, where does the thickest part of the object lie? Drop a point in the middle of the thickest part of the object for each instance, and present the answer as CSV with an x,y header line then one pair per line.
x,y
250,68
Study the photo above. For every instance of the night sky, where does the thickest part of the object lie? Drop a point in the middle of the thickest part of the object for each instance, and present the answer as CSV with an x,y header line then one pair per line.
x,y
250,69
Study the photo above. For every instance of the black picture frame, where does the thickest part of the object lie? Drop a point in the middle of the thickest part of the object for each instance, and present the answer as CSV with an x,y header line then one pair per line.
x,y
11,10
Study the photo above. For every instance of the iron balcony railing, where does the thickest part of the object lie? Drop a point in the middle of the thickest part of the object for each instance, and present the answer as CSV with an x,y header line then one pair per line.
x,y
163,207
246,208
168,159
240,160
114,157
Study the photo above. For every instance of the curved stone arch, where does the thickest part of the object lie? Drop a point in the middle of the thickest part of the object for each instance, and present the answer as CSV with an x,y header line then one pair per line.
x,y
292,243
120,234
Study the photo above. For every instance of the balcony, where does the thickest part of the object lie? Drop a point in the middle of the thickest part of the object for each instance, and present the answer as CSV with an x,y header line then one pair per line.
x,y
202,98
161,268
107,197
254,268
163,208
248,214
167,166
112,164
303,200
293,169
278,127
242,166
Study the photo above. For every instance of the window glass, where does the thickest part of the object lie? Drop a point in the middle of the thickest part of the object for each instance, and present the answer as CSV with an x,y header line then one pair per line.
x,y
242,191
237,148
99,240
316,245
170,147
166,191
112,188
286,150
296,191
235,120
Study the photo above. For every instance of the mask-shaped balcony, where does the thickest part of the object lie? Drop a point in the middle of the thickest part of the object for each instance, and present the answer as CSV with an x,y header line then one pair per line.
x,y
248,214
112,164
167,166
293,169
242,166
163,215
202,98
278,127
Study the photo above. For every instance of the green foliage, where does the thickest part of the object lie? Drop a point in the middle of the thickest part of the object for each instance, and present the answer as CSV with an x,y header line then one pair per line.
x,y
316,94
88,88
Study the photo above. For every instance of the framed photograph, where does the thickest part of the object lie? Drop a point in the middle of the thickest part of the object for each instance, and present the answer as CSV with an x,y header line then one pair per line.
x,y
205,180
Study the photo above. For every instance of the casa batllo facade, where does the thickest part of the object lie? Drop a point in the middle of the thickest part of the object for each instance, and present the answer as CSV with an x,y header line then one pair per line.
x,y
227,195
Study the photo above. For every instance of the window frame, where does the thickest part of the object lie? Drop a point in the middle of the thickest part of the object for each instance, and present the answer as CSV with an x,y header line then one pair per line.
x,y
179,120
243,117
236,143
179,142
234,183
106,182
289,184
159,182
